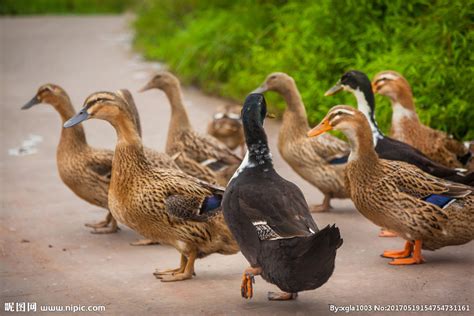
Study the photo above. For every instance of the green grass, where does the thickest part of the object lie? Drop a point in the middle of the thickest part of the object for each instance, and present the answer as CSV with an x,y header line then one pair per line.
x,y
228,48
28,7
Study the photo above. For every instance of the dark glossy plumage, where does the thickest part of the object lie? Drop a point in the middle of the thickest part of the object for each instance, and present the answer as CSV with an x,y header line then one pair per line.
x,y
270,219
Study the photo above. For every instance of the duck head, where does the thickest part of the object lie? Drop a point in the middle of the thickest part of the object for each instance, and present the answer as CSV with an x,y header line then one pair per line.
x,y
342,118
48,93
100,105
391,84
353,124
278,82
357,83
163,80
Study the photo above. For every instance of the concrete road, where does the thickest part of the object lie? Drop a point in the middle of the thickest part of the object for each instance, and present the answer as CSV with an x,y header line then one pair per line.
x,y
49,257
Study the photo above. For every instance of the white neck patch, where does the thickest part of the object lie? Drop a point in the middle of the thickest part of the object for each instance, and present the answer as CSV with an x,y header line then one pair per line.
x,y
243,165
400,112
364,107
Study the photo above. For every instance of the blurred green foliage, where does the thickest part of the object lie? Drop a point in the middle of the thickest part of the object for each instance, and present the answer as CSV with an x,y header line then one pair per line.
x,y
16,7
228,48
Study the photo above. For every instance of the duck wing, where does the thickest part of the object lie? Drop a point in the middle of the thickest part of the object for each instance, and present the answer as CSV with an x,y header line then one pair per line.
x,y
196,200
205,148
421,185
280,212
100,166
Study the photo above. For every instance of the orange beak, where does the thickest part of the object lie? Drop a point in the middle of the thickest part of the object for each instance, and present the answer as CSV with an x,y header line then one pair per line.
x,y
374,87
322,128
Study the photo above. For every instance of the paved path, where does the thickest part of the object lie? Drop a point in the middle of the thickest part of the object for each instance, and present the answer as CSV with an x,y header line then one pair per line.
x,y
64,264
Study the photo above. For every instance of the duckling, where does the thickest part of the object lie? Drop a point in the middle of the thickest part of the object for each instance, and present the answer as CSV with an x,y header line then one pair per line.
x,y
406,125
204,149
359,85
319,161
227,127
428,212
162,204
271,221
83,169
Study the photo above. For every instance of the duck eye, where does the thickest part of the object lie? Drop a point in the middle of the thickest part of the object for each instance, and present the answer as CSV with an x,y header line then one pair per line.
x,y
273,77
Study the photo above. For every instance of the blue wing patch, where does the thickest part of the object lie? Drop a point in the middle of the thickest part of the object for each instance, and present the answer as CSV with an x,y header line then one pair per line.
x,y
339,160
438,200
211,203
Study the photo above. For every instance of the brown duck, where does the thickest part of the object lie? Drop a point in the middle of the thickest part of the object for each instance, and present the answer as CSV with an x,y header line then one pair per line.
x,y
162,204
428,212
406,125
84,169
214,159
320,161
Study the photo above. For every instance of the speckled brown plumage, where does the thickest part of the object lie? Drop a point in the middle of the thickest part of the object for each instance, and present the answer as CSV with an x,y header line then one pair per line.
x,y
226,126
309,157
204,149
393,194
406,125
138,194
86,170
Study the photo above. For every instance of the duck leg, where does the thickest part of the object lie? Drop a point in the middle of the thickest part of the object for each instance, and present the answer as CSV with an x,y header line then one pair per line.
x,y
325,207
394,254
181,268
416,257
281,296
387,233
184,275
102,227
248,278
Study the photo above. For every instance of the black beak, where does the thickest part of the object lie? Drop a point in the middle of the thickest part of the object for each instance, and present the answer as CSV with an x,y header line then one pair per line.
x,y
32,102
76,119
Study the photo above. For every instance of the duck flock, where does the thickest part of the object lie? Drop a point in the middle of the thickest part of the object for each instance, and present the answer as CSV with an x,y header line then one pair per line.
x,y
201,197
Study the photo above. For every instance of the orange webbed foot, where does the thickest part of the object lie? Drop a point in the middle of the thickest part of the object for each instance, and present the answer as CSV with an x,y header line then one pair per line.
x,y
416,257
406,261
394,254
248,279
246,288
281,296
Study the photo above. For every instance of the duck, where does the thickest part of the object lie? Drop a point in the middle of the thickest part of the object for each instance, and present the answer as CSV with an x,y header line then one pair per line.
x,y
357,83
226,126
407,127
86,170
319,161
271,221
162,204
428,212
210,154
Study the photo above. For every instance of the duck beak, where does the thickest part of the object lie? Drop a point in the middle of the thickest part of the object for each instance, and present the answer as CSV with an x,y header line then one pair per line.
x,y
337,88
76,119
375,86
263,88
147,87
270,116
321,128
35,100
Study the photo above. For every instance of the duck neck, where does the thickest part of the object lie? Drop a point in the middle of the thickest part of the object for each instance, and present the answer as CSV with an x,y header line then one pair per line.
x,y
366,104
179,117
403,107
295,120
72,138
258,153
362,147
129,155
